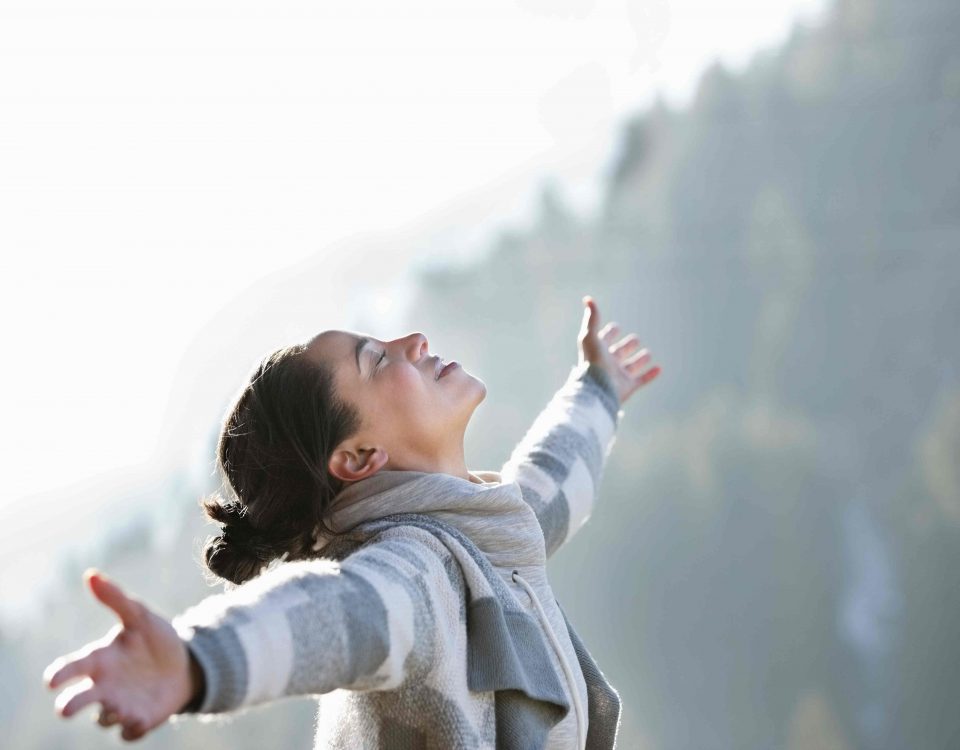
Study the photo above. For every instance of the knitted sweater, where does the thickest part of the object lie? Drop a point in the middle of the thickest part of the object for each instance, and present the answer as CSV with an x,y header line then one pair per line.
x,y
426,619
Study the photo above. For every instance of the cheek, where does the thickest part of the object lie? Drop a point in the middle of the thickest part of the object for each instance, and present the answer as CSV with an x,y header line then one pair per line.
x,y
413,395
408,381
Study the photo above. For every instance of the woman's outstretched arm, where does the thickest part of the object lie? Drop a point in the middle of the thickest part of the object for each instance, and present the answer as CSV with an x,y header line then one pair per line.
x,y
305,627
313,626
559,462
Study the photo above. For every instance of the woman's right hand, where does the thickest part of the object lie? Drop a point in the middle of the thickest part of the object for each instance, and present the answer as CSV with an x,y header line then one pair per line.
x,y
596,345
139,671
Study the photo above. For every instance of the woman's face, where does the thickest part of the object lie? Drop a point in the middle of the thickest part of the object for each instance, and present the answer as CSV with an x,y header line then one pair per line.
x,y
410,419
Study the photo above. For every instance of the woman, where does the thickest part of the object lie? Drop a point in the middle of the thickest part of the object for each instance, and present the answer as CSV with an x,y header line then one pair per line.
x,y
411,586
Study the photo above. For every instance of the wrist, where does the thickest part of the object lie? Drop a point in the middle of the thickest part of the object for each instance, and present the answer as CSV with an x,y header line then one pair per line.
x,y
197,685
602,378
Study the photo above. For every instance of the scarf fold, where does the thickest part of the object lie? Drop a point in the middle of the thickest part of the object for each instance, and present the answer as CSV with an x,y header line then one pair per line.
x,y
493,514
485,525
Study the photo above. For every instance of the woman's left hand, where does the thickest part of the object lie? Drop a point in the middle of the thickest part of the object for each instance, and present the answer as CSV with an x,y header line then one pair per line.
x,y
139,672
615,357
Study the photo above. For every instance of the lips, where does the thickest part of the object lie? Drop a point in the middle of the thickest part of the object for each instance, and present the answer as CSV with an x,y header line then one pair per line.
x,y
442,368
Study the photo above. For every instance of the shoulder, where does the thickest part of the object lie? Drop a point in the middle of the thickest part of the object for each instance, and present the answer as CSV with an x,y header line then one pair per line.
x,y
408,551
412,543
415,572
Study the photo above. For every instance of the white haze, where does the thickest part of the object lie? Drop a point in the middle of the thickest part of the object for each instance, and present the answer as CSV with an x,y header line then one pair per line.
x,y
163,165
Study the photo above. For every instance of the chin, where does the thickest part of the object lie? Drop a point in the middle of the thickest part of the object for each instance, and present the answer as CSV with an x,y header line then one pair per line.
x,y
481,389
477,394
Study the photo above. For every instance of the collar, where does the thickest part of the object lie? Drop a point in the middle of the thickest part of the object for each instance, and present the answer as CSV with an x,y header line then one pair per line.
x,y
490,512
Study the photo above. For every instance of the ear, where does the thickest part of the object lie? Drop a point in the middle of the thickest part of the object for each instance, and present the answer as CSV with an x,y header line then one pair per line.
x,y
351,465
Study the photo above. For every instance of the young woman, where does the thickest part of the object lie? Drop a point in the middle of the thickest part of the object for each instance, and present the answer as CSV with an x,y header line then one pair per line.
x,y
411,593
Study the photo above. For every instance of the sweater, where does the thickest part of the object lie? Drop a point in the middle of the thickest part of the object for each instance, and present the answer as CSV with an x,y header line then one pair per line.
x,y
426,619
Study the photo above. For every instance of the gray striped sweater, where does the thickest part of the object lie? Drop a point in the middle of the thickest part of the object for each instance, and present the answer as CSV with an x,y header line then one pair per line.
x,y
426,619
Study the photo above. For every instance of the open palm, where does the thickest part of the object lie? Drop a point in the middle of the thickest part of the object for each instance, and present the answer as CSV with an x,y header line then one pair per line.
x,y
139,671
617,358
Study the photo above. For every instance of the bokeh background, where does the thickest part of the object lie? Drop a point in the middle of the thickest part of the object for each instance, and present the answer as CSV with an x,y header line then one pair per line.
x,y
768,194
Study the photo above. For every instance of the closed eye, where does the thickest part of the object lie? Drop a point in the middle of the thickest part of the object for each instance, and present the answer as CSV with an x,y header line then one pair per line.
x,y
384,354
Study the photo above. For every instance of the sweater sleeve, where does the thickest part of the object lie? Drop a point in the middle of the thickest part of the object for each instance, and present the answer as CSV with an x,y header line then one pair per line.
x,y
313,626
559,462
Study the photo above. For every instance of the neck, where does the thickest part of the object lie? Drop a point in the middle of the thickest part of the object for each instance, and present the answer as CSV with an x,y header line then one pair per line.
x,y
452,463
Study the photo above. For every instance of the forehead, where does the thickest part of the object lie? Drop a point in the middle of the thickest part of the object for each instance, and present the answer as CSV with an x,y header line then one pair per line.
x,y
333,345
337,349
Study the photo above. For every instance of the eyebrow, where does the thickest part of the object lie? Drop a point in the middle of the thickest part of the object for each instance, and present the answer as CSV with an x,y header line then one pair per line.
x,y
361,342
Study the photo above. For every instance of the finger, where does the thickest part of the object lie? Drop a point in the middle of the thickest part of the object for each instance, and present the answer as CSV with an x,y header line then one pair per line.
x,y
108,718
625,345
128,609
649,375
590,316
133,730
77,697
634,362
608,332
78,664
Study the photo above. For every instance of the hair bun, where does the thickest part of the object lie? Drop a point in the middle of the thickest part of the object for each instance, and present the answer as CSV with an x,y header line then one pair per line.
x,y
240,551
237,528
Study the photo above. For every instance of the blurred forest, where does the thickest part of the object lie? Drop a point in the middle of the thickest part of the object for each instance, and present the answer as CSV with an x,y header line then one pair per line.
x,y
773,561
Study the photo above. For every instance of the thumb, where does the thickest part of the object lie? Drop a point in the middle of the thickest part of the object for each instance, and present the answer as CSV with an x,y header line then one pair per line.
x,y
589,316
112,595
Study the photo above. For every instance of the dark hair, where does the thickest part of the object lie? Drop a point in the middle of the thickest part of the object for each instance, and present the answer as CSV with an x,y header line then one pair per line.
x,y
275,442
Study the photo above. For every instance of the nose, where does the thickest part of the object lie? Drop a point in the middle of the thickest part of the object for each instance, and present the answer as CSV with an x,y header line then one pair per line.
x,y
417,345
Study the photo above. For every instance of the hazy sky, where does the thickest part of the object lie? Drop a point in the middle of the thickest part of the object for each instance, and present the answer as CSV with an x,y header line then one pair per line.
x,y
156,159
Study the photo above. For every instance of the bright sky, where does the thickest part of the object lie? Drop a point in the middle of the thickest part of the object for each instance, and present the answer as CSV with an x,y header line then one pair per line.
x,y
157,159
